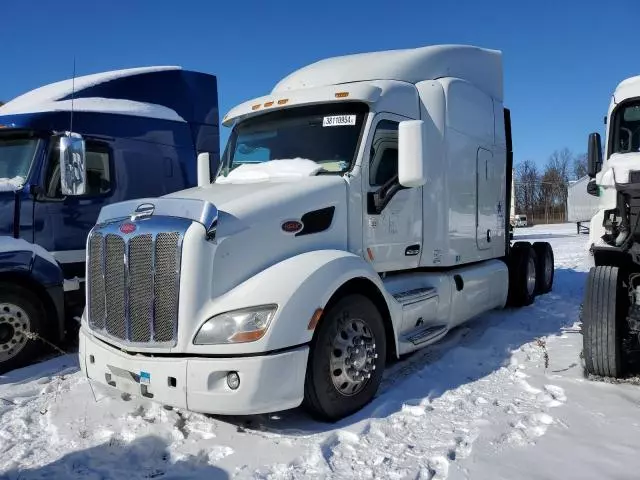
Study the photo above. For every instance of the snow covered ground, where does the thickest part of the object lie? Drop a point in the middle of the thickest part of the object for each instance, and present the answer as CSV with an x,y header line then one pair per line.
x,y
503,397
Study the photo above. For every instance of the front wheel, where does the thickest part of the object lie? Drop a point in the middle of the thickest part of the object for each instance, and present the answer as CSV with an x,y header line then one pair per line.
x,y
21,318
605,308
346,359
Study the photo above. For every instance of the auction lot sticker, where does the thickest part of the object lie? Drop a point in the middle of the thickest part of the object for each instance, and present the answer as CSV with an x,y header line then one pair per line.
x,y
338,120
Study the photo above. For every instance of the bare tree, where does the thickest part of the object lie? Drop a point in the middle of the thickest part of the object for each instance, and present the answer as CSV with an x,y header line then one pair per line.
x,y
580,166
526,186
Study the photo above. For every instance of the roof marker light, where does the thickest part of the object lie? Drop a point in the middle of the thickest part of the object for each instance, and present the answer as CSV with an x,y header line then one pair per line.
x,y
268,104
255,107
283,101
342,94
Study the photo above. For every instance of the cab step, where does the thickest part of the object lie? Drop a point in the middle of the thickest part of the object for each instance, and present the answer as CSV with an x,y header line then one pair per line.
x,y
415,295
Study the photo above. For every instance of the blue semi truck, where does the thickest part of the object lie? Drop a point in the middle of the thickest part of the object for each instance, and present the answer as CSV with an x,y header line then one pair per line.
x,y
133,133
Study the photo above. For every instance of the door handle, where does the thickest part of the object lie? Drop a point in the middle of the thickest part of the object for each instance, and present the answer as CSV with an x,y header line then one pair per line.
x,y
412,250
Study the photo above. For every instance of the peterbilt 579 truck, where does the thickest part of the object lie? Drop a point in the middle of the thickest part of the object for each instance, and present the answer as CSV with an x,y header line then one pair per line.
x,y
611,307
360,213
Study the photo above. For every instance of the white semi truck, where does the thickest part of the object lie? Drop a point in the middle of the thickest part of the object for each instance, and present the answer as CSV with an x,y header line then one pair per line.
x,y
611,307
360,213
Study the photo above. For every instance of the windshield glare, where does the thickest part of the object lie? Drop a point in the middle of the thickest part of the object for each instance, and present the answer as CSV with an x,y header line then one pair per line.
x,y
16,155
326,134
625,127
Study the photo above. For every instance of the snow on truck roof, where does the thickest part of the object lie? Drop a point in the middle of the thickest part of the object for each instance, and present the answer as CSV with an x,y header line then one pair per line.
x,y
144,91
481,66
627,88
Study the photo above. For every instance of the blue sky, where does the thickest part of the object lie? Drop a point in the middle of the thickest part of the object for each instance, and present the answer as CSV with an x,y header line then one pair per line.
x,y
562,58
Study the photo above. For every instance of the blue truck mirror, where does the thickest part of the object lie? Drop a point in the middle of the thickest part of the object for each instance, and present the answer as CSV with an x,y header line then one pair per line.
x,y
73,167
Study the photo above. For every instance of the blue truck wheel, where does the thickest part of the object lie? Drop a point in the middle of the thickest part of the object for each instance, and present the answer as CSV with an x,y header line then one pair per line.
x,y
21,321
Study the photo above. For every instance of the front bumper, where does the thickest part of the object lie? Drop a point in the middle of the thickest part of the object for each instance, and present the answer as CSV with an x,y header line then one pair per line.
x,y
268,383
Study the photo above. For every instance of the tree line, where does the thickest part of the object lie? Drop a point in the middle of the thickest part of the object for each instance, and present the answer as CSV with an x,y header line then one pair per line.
x,y
541,194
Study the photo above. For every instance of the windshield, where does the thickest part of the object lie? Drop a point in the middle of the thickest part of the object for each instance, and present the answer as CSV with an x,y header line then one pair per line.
x,y
327,134
625,134
16,156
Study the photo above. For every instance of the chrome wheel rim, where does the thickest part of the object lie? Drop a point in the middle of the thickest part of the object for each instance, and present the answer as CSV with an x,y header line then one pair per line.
x,y
14,329
548,269
531,276
353,354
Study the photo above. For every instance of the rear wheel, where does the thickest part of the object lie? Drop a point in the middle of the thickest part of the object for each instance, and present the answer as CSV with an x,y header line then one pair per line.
x,y
603,320
21,316
545,268
346,359
522,275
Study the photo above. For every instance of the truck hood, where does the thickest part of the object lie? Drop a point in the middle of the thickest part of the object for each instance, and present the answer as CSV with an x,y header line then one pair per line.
x,y
241,205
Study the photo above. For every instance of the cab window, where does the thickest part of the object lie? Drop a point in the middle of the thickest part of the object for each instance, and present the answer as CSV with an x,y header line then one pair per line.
x,y
99,177
383,164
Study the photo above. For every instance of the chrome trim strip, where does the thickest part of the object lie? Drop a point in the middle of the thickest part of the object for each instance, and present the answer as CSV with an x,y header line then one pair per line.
x,y
152,319
177,283
126,293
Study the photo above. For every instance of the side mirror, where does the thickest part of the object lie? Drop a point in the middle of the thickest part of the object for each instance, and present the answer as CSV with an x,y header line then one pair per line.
x,y
592,188
411,162
73,167
204,169
594,156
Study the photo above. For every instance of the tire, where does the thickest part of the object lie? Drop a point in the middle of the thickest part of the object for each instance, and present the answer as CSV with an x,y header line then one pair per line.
x,y
545,268
604,312
522,275
329,394
21,312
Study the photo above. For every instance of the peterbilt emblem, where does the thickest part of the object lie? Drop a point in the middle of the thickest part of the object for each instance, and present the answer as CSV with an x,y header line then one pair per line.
x,y
128,228
291,226
143,210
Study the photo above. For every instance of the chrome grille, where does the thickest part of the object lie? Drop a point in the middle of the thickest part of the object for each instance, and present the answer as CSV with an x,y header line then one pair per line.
x,y
133,281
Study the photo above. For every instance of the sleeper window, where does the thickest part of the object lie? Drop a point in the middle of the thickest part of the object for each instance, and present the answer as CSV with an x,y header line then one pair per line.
x,y
383,164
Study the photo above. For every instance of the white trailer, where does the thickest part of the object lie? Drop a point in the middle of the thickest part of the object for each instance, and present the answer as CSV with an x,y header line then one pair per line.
x,y
581,205
360,213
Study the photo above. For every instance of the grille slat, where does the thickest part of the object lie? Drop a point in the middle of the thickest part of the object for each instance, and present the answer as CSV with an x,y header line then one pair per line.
x,y
96,282
166,288
140,287
134,284
114,285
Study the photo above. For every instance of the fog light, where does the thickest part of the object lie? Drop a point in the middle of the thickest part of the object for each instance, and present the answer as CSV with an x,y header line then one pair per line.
x,y
233,380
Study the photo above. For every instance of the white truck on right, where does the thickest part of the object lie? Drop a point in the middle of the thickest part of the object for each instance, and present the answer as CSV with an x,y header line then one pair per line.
x,y
611,306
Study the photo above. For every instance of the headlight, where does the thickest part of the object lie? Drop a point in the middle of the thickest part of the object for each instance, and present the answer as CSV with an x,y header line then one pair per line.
x,y
237,326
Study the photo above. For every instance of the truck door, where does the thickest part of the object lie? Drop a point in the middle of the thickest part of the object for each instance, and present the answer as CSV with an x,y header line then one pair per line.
x,y
393,232
63,223
486,208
